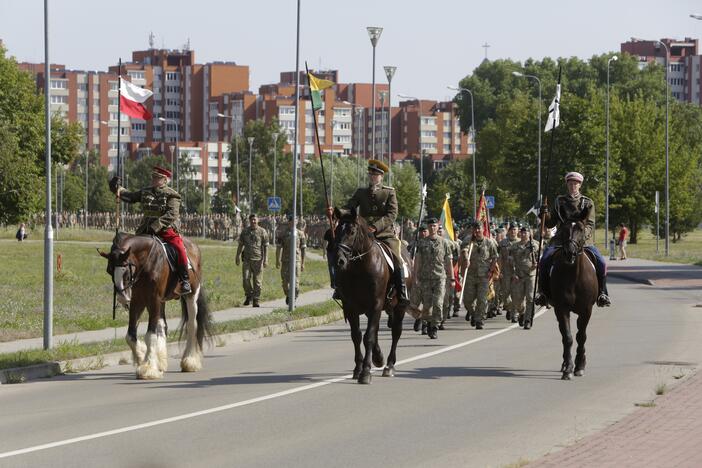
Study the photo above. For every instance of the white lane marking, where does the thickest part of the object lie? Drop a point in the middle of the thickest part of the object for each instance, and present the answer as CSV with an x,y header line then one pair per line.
x,y
251,401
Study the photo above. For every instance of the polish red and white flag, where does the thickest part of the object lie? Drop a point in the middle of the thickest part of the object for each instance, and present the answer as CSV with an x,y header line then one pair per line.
x,y
132,99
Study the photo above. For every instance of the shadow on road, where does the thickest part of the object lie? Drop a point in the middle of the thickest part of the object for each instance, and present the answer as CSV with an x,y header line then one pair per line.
x,y
441,372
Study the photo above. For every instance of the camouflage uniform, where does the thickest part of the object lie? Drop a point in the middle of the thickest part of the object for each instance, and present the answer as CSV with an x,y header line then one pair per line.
x,y
282,255
254,243
432,262
481,259
522,259
450,287
503,294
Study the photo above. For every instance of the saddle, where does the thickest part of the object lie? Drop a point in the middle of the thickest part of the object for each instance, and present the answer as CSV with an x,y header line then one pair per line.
x,y
171,254
389,255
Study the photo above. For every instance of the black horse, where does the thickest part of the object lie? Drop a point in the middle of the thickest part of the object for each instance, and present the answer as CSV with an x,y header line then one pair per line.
x,y
363,278
573,289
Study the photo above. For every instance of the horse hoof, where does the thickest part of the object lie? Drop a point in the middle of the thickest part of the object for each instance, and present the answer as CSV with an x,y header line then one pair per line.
x,y
145,372
356,373
580,372
378,360
566,376
365,378
190,364
388,372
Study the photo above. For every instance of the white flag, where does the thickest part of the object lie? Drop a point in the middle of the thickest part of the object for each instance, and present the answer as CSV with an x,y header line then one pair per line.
x,y
554,111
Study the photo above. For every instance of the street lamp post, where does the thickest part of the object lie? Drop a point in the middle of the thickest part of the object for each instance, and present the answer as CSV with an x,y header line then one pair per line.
x,y
275,172
389,73
606,236
667,154
374,35
177,159
472,133
382,124
251,142
538,165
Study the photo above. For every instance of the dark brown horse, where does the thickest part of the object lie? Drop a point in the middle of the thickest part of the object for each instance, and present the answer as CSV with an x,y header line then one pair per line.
x,y
573,289
143,279
363,278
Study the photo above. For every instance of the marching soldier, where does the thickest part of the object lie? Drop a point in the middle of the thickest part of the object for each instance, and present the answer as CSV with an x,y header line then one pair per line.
x,y
505,280
415,294
523,261
450,279
283,248
432,267
253,250
570,208
482,261
161,206
377,203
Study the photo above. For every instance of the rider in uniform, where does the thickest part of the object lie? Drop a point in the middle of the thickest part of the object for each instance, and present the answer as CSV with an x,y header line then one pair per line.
x,y
570,208
377,203
161,206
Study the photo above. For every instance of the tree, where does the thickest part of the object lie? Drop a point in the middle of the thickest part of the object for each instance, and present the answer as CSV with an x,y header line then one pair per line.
x,y
21,187
406,182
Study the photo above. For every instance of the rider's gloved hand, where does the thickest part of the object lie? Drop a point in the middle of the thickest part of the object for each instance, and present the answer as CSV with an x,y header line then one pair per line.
x,y
115,184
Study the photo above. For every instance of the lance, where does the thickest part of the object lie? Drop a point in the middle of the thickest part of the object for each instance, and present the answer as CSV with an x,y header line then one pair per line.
x,y
419,220
554,120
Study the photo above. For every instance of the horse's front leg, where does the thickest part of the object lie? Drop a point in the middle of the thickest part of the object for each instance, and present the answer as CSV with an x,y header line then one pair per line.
x,y
581,337
563,316
356,337
156,359
138,347
398,315
370,340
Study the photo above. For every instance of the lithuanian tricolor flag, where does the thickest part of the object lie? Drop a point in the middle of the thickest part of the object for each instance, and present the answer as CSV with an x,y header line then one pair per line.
x,y
317,85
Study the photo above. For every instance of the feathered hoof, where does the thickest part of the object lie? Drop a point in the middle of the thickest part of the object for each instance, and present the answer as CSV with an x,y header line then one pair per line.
x,y
146,372
580,372
389,372
567,376
364,378
190,364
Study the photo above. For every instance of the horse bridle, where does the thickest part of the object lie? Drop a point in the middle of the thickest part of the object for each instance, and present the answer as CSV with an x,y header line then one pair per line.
x,y
348,250
132,276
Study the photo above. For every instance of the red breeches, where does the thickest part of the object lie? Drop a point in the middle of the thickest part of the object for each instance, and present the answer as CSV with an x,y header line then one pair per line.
x,y
174,239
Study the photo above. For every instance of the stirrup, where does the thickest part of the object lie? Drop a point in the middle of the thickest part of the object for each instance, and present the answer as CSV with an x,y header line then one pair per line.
x,y
603,300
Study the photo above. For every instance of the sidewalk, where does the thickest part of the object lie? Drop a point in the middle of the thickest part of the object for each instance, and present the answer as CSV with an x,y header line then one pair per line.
x,y
311,297
664,435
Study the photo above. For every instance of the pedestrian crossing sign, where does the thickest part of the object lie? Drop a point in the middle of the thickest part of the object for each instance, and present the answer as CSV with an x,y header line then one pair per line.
x,y
273,203
490,202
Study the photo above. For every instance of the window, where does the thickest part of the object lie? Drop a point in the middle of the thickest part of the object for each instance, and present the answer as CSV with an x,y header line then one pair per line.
x,y
286,110
429,133
139,127
172,76
59,84
59,99
136,75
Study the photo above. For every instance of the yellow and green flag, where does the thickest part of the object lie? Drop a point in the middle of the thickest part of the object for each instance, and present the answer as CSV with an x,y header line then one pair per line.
x,y
446,219
317,85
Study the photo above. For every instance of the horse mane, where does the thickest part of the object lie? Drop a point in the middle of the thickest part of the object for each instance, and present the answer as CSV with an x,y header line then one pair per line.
x,y
123,241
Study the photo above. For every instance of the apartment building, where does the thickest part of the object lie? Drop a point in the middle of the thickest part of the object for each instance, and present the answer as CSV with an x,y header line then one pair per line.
x,y
684,73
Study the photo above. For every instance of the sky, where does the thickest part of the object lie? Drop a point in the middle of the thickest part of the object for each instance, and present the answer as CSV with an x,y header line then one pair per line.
x,y
432,43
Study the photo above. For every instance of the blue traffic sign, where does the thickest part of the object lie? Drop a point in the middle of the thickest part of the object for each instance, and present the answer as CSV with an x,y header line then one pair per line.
x,y
489,202
274,203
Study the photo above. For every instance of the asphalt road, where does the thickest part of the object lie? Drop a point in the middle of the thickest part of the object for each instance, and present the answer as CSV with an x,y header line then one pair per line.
x,y
285,401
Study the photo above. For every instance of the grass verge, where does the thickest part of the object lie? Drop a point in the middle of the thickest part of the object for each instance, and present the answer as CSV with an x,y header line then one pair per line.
x,y
69,350
83,289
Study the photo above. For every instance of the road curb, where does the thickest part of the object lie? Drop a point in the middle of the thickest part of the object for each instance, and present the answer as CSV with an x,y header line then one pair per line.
x,y
632,279
73,366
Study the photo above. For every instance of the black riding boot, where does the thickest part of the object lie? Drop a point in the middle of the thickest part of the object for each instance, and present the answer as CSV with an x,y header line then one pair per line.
x,y
602,295
400,286
185,288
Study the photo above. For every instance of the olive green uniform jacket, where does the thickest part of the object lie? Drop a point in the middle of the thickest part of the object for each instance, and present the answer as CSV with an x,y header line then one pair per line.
x,y
161,206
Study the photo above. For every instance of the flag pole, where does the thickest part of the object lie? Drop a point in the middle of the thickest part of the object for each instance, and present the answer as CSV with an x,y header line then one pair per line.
x,y
321,155
542,216
119,131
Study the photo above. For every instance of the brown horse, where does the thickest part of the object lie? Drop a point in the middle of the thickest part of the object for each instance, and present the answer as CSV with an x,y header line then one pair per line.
x,y
142,279
363,278
573,285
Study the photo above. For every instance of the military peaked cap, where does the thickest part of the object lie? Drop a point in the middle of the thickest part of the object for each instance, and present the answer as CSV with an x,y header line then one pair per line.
x,y
377,166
